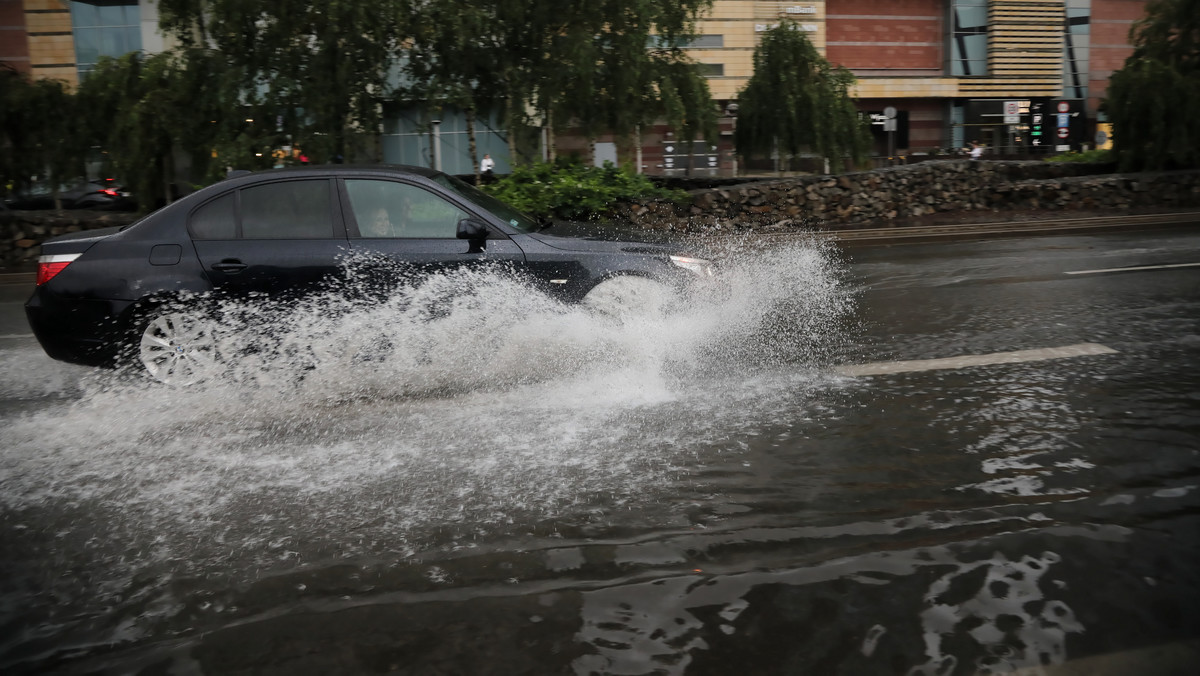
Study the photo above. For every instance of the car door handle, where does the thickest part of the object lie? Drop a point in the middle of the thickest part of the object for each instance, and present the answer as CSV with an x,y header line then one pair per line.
x,y
229,266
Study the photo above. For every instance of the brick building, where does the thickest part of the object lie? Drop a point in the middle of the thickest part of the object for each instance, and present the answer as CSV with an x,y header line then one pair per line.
x,y
951,71
63,39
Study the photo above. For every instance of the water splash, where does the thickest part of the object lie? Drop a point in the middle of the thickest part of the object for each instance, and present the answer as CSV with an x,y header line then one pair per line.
x,y
459,401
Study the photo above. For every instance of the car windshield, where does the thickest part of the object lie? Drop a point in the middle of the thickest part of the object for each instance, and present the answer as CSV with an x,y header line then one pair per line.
x,y
512,216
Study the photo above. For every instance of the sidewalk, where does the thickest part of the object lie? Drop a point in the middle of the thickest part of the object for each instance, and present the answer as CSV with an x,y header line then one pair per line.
x,y
993,225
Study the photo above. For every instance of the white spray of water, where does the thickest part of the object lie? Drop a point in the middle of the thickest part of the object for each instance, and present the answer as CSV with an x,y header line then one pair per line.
x,y
465,400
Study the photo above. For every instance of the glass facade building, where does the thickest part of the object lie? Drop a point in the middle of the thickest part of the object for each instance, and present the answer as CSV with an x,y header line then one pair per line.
x,y
969,37
1077,49
104,28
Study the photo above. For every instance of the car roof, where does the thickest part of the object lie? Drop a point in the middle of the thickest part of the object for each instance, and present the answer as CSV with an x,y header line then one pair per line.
x,y
308,170
239,179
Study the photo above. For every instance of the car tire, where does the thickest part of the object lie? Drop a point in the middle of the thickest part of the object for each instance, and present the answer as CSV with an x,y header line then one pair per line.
x,y
176,347
627,295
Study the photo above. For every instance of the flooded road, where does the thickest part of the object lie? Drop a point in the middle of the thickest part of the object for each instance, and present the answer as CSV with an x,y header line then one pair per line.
x,y
784,475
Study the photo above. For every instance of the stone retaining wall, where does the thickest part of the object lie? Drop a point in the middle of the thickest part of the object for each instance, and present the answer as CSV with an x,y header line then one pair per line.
x,y
872,199
22,232
891,195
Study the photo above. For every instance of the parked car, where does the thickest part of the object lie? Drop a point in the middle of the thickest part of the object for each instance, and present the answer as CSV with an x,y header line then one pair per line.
x,y
101,194
109,296
104,194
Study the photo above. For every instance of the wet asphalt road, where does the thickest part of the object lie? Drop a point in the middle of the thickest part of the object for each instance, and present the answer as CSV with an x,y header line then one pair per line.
x,y
951,458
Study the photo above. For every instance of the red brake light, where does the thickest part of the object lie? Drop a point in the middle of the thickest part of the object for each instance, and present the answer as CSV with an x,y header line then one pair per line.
x,y
50,266
110,192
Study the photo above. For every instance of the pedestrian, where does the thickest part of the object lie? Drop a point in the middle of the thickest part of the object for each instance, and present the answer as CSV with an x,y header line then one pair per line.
x,y
487,167
976,150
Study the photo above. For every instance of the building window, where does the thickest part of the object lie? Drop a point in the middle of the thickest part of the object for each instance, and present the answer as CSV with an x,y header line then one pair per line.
x,y
1076,44
696,42
104,28
968,37
711,69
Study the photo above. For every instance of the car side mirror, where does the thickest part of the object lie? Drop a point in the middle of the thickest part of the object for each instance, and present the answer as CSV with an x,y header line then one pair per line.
x,y
472,229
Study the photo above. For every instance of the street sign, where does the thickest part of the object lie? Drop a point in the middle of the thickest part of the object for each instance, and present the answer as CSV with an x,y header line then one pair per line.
x,y
1011,108
1064,107
1064,132
703,155
1012,119
889,112
1064,120
1037,121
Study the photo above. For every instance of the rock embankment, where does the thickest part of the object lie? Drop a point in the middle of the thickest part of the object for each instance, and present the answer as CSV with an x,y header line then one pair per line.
x,y
894,195
22,232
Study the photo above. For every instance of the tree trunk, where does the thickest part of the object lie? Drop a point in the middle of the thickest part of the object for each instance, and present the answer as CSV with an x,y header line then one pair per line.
x,y
637,153
167,164
512,128
471,142
552,150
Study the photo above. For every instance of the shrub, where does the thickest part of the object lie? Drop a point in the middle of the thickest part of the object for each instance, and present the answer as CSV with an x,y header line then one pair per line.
x,y
1086,157
566,189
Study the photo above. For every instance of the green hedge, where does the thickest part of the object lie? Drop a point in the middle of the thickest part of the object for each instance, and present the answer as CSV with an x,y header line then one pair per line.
x,y
568,190
1087,156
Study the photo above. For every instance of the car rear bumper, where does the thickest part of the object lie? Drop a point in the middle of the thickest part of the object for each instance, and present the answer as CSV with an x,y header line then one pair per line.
x,y
77,331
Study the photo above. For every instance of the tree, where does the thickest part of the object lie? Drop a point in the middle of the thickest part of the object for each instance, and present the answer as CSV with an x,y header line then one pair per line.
x,y
1152,99
452,61
144,110
551,63
797,101
318,70
618,67
36,134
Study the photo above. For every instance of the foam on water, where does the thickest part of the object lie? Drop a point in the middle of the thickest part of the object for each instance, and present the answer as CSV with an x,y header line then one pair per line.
x,y
465,400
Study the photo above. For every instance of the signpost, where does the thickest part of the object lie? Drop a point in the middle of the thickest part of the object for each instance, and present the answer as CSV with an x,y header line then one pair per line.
x,y
1012,112
889,125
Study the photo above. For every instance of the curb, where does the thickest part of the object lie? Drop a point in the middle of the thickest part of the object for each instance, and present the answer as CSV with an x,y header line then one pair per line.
x,y
1002,228
18,277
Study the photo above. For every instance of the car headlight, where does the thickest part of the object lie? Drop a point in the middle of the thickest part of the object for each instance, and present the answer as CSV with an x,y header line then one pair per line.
x,y
699,266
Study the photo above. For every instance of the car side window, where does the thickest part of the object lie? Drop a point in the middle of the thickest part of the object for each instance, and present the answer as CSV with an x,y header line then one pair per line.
x,y
287,210
215,220
388,209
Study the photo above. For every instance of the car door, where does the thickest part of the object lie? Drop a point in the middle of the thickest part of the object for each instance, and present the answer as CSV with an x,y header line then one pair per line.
x,y
412,230
280,238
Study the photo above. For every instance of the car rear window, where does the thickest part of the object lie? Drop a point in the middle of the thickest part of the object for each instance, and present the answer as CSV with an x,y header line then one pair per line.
x,y
287,210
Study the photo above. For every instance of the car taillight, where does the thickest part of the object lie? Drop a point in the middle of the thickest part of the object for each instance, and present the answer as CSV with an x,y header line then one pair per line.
x,y
110,192
49,266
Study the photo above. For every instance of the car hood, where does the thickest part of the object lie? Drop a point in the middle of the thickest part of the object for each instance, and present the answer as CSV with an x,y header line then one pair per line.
x,y
606,238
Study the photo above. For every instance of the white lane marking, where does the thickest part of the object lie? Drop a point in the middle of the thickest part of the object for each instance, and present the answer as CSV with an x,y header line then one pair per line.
x,y
1141,267
884,368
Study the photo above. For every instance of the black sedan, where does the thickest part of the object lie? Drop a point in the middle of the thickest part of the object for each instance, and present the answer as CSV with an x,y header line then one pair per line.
x,y
106,297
